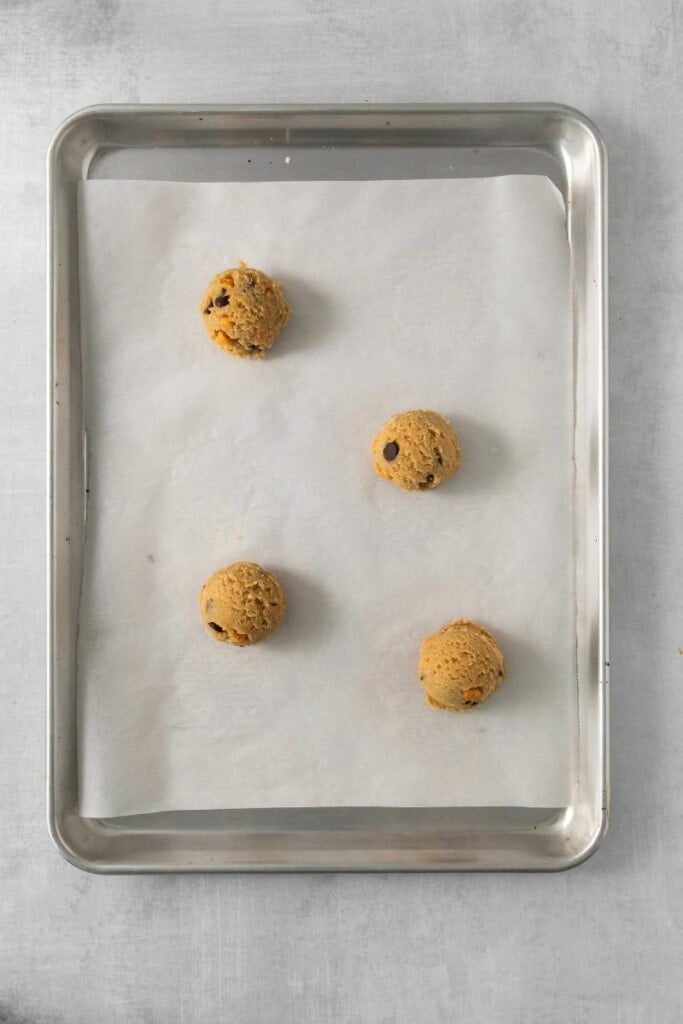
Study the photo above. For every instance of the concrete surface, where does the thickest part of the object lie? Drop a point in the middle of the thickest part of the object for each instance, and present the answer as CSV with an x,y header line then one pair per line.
x,y
599,944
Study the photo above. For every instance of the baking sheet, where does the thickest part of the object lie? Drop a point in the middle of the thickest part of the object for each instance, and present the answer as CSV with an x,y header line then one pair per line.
x,y
449,294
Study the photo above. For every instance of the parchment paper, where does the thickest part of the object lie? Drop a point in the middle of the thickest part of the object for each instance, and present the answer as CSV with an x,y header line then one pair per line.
x,y
442,294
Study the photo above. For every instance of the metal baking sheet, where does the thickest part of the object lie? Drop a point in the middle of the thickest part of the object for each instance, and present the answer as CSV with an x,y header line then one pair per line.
x,y
353,143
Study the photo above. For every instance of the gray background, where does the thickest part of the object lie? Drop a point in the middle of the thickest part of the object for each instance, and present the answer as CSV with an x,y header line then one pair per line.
x,y
601,943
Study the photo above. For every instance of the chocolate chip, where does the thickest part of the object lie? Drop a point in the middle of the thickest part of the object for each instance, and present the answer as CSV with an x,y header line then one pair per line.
x,y
216,628
438,456
254,348
390,451
222,299
429,479
208,309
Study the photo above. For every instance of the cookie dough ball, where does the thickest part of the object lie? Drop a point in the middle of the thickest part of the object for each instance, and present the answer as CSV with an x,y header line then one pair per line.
x,y
242,603
416,450
244,311
460,666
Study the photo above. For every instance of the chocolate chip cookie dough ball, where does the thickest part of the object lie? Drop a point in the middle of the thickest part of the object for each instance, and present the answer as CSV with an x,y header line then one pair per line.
x,y
244,311
460,666
416,450
242,603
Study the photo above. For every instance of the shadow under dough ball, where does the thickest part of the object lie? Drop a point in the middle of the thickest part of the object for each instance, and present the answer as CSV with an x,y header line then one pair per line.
x,y
242,603
460,666
416,450
243,311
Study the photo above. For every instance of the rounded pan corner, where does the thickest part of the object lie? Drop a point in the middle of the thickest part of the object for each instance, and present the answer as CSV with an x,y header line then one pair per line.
x,y
588,845
68,134
571,115
68,846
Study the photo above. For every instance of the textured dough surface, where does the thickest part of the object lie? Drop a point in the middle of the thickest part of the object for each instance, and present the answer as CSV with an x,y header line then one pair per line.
x,y
244,311
460,666
242,603
416,450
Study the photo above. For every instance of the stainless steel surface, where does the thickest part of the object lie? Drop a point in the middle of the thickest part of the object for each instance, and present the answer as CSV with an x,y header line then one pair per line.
x,y
216,143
